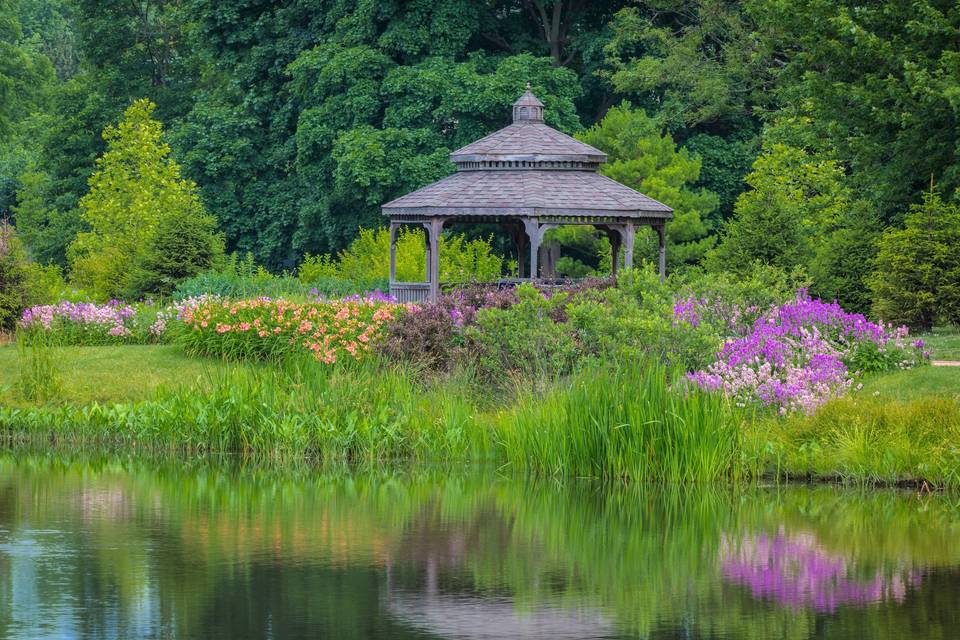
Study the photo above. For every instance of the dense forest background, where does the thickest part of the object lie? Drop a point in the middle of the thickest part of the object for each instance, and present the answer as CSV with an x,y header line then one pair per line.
x,y
789,131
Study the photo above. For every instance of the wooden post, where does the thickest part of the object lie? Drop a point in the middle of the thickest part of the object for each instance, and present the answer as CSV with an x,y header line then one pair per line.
x,y
614,236
436,226
520,237
662,262
628,238
532,227
393,252
427,227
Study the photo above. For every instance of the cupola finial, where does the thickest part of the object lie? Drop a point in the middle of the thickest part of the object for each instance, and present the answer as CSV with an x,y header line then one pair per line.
x,y
528,108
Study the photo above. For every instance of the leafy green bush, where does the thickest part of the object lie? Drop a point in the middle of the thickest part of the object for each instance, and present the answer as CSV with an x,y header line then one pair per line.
x,y
636,318
23,282
242,278
528,337
916,279
368,258
14,278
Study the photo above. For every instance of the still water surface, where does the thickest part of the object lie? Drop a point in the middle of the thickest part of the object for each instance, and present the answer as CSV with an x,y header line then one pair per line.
x,y
117,549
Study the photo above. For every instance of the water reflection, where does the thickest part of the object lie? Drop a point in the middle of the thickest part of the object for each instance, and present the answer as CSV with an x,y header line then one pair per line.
x,y
115,549
797,571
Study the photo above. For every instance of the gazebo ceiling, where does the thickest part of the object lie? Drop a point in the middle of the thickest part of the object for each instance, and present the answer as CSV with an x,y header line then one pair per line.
x,y
528,169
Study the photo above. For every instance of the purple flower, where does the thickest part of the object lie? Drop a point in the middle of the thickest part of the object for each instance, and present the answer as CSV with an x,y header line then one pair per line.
x,y
794,357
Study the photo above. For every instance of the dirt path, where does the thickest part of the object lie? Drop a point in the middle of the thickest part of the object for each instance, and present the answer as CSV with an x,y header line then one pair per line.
x,y
945,363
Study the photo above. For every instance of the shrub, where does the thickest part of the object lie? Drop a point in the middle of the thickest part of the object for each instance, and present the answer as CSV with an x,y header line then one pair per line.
x,y
368,258
242,278
183,245
917,270
636,317
524,338
15,291
431,334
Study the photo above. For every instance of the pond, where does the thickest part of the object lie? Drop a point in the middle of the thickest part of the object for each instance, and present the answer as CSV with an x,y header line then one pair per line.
x,y
112,548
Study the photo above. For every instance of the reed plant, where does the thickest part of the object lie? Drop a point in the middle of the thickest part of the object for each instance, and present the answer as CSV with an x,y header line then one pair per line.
x,y
630,420
39,374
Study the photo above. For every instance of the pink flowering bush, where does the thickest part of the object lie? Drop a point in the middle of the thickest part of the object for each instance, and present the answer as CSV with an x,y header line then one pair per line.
x,y
88,323
262,328
800,354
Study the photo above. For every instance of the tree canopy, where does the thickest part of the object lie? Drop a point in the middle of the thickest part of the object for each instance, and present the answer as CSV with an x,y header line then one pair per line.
x,y
297,119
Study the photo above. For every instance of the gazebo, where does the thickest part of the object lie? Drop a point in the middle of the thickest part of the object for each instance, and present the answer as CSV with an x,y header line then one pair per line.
x,y
528,178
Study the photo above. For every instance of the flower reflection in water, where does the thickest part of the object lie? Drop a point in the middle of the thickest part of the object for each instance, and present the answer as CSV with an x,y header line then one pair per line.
x,y
795,570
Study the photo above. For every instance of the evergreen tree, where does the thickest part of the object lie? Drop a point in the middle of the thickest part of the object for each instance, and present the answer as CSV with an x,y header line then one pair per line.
x,y
794,198
916,277
642,156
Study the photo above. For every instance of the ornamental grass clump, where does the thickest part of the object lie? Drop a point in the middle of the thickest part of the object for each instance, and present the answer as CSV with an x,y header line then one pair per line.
x,y
262,329
800,354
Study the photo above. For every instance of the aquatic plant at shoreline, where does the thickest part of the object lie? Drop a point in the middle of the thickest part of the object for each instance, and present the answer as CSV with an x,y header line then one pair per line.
x,y
262,328
800,354
623,420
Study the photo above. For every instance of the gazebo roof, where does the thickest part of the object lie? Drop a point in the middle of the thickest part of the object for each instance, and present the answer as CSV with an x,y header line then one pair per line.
x,y
528,169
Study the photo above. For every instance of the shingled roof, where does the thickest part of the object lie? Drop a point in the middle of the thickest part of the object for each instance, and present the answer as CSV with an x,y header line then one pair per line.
x,y
528,169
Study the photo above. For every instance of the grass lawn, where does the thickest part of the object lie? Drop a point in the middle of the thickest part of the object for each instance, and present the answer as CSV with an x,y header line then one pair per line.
x,y
914,383
943,343
112,374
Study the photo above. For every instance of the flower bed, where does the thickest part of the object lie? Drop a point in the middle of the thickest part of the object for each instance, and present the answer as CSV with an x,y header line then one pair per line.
x,y
800,354
262,328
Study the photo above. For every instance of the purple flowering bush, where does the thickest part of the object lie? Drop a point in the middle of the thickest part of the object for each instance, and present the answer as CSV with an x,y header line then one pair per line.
x,y
798,355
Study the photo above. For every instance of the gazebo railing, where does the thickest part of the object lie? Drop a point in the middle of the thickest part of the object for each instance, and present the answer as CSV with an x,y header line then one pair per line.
x,y
410,291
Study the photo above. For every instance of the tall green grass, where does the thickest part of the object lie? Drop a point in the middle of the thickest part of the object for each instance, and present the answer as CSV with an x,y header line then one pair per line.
x,y
624,421
867,440
364,411
40,379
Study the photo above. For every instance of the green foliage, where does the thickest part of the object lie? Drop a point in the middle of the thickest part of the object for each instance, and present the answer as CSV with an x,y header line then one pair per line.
x,y
40,379
368,259
525,338
24,74
242,278
15,293
875,85
643,157
700,61
183,245
916,277
136,186
636,317
725,162
623,420
793,197
842,258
